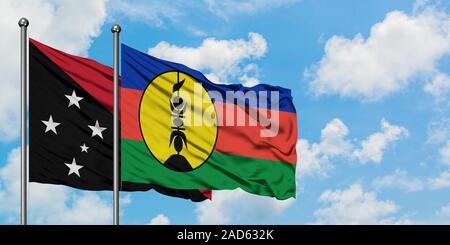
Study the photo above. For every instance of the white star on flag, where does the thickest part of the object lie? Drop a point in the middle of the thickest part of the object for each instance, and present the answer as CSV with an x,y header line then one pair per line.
x,y
73,167
50,125
96,129
84,148
74,99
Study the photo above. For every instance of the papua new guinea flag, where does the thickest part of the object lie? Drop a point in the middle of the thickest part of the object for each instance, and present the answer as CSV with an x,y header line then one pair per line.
x,y
182,131
71,124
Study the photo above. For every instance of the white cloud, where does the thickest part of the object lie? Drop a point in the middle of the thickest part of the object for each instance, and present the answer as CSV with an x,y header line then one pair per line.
x,y
441,181
154,13
66,25
250,75
439,131
354,206
249,81
444,152
221,68
373,147
332,138
444,211
78,209
439,86
9,183
178,13
229,8
315,159
399,179
439,134
125,199
236,205
50,204
160,219
396,50
310,160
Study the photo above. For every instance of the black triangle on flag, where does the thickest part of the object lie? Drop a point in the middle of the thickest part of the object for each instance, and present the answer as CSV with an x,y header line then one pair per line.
x,y
71,124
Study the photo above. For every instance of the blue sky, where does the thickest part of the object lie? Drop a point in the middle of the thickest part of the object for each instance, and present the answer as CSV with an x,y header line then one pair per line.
x,y
370,81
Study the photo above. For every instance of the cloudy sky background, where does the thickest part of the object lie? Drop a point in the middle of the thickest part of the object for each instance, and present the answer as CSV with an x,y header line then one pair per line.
x,y
370,81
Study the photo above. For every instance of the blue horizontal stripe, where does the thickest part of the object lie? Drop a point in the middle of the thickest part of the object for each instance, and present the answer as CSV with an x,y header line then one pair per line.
x,y
139,69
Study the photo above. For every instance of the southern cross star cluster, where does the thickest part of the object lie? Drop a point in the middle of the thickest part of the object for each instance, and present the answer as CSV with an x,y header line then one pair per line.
x,y
50,125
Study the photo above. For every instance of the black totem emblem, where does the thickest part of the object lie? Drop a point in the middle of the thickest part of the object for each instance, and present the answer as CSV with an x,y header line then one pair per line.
x,y
178,138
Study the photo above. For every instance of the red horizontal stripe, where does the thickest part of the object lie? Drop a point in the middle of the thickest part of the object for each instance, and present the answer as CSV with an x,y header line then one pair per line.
x,y
95,78
130,100
247,140
235,140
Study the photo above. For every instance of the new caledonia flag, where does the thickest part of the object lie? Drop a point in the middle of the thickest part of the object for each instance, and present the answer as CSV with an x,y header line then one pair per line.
x,y
179,130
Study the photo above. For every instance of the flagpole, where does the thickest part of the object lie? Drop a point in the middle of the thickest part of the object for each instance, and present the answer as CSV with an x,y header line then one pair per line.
x,y
116,30
23,23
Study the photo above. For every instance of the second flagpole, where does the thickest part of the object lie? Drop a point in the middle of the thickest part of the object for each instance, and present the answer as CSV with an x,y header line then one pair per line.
x,y
116,30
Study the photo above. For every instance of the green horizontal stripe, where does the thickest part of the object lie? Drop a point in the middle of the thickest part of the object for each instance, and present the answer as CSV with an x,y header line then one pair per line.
x,y
220,172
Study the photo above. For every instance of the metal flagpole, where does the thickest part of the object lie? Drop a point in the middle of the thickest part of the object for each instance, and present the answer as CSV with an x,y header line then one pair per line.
x,y
116,30
23,23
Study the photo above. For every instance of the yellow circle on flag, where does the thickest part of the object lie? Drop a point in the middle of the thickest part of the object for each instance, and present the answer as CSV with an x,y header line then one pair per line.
x,y
178,121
